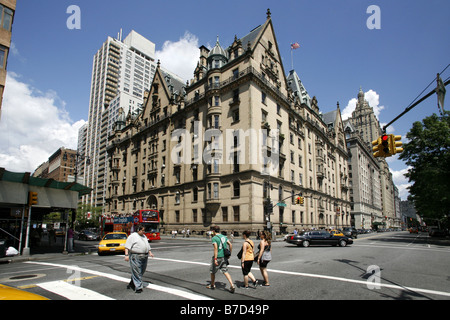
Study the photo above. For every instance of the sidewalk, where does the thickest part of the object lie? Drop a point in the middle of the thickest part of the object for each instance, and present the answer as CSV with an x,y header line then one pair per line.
x,y
44,251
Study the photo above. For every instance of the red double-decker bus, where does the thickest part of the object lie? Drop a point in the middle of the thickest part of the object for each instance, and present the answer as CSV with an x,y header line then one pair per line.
x,y
150,219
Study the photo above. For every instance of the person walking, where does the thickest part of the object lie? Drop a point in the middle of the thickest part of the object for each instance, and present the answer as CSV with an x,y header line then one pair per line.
x,y
219,261
70,239
265,255
247,259
51,236
137,250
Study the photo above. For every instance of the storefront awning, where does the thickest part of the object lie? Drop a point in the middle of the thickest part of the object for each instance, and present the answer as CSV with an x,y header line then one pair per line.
x,y
26,178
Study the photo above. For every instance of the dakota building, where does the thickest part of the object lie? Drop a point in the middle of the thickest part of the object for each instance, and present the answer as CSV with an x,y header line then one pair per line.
x,y
239,135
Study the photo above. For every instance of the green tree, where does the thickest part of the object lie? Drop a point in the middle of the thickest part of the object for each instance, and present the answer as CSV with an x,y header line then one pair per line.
x,y
82,220
428,155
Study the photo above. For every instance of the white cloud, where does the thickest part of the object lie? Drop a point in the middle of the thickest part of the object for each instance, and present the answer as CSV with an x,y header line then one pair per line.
x,y
15,52
372,98
401,182
180,57
33,125
351,106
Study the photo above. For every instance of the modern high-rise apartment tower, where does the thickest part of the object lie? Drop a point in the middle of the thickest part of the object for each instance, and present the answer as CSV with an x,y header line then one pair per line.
x,y
7,9
121,72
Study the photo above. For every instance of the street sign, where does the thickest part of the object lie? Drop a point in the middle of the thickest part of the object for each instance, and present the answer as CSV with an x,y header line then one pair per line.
x,y
440,90
281,204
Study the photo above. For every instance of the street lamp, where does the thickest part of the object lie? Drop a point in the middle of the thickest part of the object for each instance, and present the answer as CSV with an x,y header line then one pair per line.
x,y
78,157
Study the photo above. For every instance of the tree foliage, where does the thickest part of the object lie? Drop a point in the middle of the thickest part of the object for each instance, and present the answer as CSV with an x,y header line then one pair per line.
x,y
427,153
82,217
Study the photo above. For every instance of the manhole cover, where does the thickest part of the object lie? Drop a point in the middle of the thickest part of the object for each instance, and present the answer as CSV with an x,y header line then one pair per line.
x,y
23,277
28,276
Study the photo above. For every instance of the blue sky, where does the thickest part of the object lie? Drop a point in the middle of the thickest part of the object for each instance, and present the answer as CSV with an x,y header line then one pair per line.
x,y
49,66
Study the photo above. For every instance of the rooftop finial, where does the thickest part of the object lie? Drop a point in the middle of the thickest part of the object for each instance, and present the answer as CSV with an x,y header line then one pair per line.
x,y
268,13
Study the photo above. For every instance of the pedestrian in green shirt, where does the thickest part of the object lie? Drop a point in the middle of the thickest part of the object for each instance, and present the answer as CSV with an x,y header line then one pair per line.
x,y
219,262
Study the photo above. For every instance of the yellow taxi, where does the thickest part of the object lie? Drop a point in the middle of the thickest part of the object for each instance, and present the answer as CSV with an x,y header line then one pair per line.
x,y
112,242
9,293
335,232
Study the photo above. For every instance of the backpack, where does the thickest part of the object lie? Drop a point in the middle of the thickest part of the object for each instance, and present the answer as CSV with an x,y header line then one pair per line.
x,y
226,251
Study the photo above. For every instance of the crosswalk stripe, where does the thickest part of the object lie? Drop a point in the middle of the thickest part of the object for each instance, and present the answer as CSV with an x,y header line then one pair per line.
x,y
72,292
177,292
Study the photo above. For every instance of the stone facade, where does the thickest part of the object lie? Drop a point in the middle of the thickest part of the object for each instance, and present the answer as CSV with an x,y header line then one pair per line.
x,y
368,127
239,135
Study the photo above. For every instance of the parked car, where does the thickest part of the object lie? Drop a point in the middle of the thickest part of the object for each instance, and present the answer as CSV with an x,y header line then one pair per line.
x,y
308,238
350,232
88,235
112,242
287,236
336,232
60,232
436,232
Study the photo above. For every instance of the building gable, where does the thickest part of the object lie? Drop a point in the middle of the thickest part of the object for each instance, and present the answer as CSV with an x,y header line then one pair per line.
x,y
266,51
158,97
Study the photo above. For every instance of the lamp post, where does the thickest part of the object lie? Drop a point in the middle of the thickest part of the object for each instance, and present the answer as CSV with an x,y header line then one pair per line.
x,y
78,157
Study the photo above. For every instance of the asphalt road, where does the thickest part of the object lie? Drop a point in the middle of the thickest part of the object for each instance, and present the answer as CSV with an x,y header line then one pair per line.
x,y
384,266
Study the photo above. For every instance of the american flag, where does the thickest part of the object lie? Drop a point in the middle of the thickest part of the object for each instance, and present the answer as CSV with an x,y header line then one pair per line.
x,y
295,46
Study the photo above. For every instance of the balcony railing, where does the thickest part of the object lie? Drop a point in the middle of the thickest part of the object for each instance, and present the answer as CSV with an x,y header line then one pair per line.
x,y
236,77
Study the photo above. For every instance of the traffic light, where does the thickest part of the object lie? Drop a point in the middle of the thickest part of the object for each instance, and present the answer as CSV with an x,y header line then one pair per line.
x,y
376,148
385,145
381,146
299,200
393,145
32,198
268,206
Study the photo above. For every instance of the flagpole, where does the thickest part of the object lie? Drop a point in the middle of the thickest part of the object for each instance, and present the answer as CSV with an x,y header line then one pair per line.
x,y
294,45
292,59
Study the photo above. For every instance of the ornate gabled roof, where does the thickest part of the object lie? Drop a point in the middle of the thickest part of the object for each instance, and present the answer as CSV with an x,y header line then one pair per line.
x,y
330,118
298,89
218,50
348,126
250,39
175,85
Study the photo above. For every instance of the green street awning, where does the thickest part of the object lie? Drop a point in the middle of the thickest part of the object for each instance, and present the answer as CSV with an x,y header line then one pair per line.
x,y
26,178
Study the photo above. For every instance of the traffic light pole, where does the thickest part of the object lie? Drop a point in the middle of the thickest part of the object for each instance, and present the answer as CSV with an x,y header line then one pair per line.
x,y
26,249
429,94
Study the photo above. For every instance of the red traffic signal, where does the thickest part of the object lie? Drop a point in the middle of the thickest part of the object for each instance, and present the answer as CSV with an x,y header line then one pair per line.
x,y
385,145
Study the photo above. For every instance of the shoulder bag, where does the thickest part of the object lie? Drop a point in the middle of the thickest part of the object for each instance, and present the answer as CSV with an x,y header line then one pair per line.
x,y
239,255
